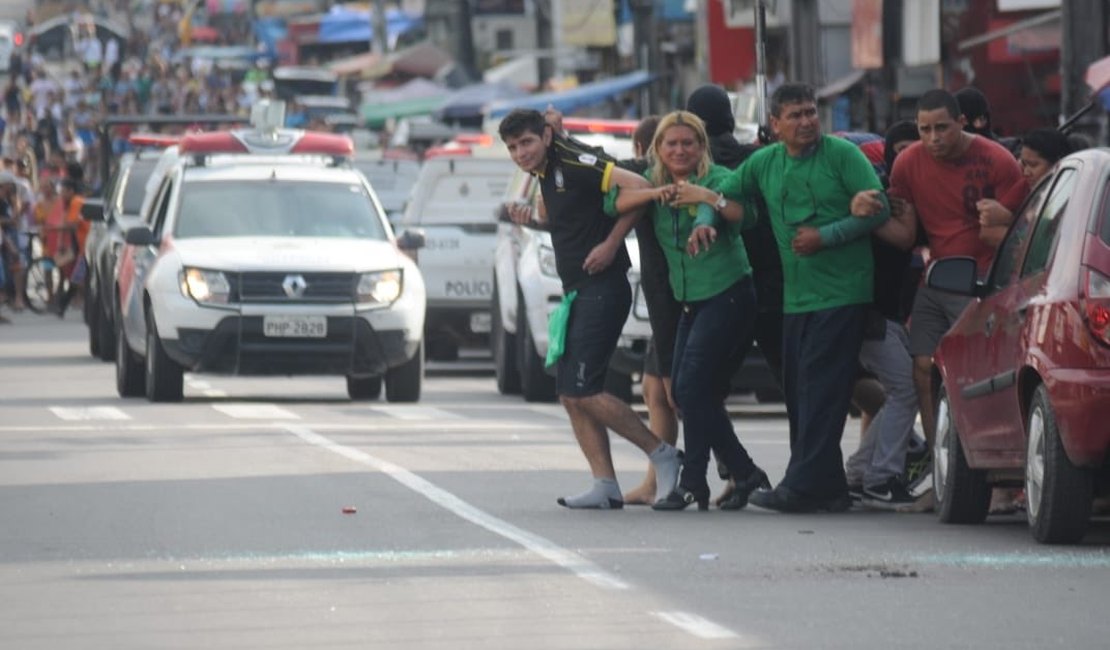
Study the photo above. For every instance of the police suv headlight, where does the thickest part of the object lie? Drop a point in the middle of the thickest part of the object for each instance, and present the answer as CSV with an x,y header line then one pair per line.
x,y
547,262
379,287
206,287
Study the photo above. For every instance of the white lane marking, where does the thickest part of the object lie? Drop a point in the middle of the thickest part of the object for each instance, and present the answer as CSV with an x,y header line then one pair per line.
x,y
700,627
256,412
541,546
197,384
416,413
361,427
215,392
89,413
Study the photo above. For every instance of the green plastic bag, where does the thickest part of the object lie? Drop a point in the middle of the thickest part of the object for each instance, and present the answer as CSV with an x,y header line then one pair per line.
x,y
557,329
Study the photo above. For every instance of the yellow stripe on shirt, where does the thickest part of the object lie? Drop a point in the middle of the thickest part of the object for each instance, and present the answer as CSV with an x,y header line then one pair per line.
x,y
606,177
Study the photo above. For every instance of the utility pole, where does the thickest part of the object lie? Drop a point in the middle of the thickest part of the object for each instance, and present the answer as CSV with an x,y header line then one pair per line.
x,y
1083,41
805,42
701,42
544,41
379,42
646,57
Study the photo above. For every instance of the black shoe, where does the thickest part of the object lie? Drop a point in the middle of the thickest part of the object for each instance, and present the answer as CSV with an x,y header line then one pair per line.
x,y
757,480
855,492
783,499
890,495
679,498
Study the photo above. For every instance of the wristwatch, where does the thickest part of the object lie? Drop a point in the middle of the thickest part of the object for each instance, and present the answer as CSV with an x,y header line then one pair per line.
x,y
721,203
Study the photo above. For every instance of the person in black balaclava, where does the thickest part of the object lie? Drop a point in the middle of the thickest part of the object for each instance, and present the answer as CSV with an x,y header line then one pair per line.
x,y
977,110
712,105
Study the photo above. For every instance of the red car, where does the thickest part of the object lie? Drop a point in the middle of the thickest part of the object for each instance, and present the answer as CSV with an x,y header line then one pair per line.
x,y
1023,377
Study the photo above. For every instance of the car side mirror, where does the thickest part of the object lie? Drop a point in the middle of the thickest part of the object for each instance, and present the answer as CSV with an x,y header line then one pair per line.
x,y
139,236
93,210
957,275
411,240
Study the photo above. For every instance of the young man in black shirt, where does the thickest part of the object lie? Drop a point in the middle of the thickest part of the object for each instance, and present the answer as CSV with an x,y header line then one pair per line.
x,y
591,260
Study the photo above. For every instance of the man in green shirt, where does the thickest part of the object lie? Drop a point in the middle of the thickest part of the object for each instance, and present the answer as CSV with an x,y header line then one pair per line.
x,y
808,180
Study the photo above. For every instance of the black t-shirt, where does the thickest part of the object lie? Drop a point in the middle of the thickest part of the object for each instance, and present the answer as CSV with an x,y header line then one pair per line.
x,y
574,184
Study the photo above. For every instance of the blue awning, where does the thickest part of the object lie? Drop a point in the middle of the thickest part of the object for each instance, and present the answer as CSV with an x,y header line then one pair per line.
x,y
341,25
569,101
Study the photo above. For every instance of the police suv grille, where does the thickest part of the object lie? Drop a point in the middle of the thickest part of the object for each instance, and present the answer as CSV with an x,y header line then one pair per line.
x,y
318,287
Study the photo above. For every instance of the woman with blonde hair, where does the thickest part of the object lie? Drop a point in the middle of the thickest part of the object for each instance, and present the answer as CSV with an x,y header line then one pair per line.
x,y
699,231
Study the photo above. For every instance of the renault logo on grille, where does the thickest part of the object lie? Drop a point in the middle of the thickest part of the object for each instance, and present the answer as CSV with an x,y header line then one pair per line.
x,y
294,286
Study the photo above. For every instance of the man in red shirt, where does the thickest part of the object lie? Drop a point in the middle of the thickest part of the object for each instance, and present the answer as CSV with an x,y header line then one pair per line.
x,y
942,177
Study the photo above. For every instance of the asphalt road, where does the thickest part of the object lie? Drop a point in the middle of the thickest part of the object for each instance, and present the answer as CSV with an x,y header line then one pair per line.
x,y
274,513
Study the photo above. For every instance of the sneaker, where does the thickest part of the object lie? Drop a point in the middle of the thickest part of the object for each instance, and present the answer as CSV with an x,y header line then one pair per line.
x,y
855,492
919,473
887,496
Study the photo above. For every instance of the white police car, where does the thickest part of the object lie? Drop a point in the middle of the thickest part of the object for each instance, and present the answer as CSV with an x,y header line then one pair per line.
x,y
264,253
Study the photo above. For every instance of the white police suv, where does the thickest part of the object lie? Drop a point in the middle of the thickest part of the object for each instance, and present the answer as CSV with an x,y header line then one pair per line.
x,y
264,253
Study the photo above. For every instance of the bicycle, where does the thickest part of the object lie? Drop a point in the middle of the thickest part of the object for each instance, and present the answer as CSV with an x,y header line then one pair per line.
x,y
46,284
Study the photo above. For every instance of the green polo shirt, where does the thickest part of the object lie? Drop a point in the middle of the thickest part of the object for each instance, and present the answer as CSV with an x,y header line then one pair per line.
x,y
815,190
701,276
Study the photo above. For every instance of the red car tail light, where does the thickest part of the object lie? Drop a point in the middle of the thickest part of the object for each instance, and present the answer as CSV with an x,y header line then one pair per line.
x,y
1096,305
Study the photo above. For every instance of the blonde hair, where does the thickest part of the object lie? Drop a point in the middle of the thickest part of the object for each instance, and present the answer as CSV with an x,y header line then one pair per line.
x,y
659,173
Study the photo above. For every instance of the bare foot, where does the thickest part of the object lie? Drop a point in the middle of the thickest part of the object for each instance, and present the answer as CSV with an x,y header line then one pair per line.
x,y
725,493
924,503
644,495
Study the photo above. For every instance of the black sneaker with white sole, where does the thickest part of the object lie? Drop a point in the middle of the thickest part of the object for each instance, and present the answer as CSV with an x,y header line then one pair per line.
x,y
888,496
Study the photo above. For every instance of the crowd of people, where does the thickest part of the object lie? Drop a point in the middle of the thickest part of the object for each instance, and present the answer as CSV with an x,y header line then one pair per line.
x,y
50,118
805,244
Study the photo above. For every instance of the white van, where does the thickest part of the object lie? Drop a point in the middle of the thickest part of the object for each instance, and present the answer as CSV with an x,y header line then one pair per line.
x,y
455,202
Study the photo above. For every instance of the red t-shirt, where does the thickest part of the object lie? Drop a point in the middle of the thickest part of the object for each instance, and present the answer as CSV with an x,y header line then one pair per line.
x,y
944,194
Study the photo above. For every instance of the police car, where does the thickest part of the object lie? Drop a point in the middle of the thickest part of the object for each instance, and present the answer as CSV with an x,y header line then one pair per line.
x,y
264,253
454,202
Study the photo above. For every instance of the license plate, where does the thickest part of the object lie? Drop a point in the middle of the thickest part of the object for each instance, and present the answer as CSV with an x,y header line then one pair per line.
x,y
304,327
479,322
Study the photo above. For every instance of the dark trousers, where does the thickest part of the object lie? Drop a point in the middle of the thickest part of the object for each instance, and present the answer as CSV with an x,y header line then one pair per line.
x,y
713,336
820,362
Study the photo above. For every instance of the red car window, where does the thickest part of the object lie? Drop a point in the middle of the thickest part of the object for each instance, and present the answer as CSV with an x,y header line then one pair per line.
x,y
1008,257
1048,225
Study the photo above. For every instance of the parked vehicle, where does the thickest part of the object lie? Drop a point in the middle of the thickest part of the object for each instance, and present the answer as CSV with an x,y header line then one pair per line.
x,y
392,180
454,203
264,253
112,216
1023,377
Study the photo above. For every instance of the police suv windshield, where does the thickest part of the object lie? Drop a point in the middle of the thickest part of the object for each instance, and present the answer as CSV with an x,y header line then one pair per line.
x,y
265,208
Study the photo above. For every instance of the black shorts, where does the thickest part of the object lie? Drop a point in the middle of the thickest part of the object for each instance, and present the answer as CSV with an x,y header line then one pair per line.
x,y
663,312
597,317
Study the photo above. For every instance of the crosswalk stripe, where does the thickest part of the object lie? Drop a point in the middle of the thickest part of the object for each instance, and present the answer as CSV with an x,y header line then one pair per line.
x,y
248,411
72,413
416,413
